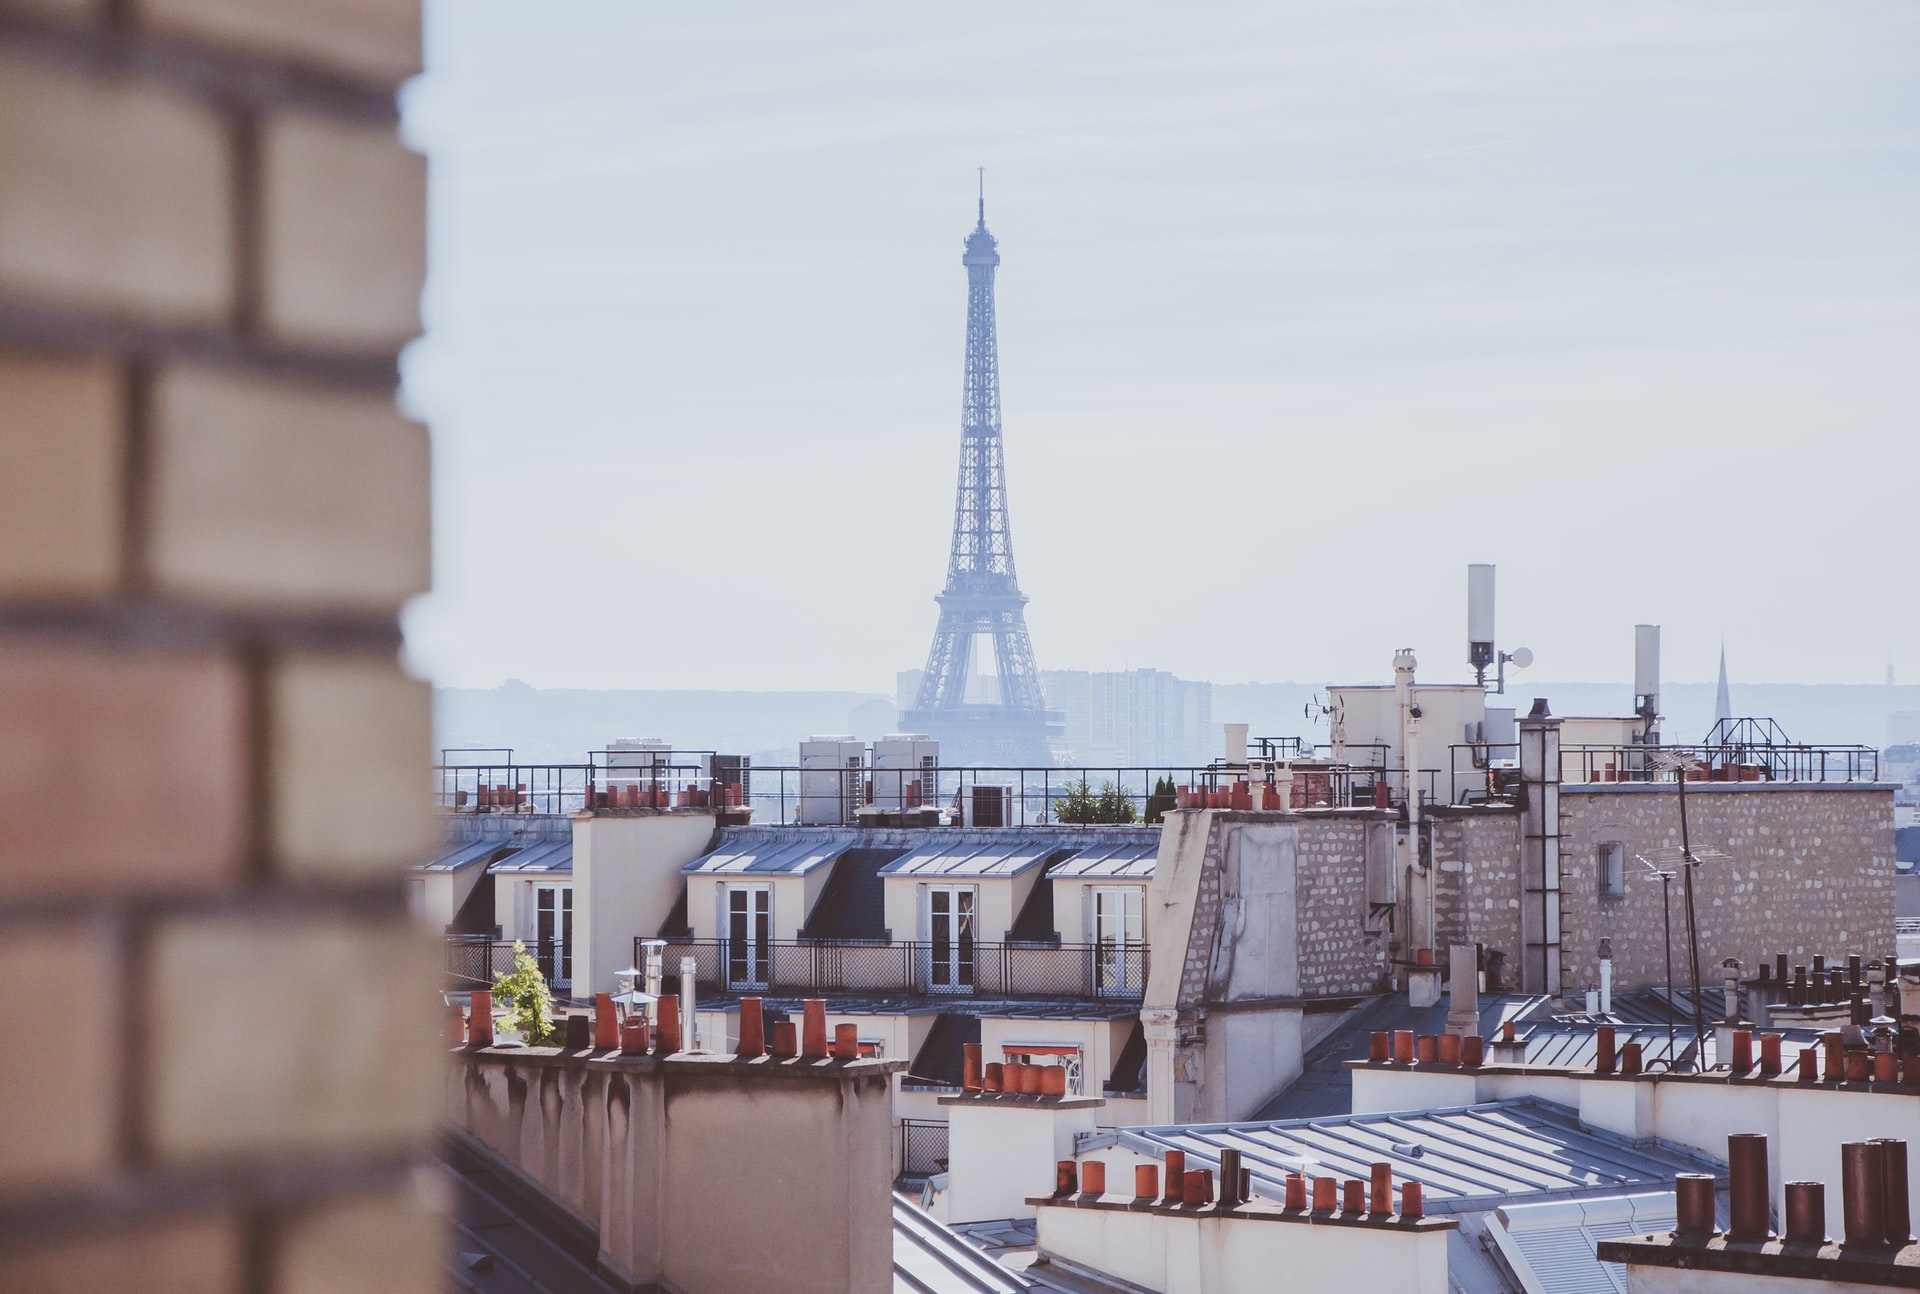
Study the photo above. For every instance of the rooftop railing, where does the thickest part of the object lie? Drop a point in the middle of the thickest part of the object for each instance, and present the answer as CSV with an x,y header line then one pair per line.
x,y
1491,771
919,969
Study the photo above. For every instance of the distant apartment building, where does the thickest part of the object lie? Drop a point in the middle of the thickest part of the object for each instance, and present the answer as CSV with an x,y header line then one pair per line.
x,y
1136,718
1133,718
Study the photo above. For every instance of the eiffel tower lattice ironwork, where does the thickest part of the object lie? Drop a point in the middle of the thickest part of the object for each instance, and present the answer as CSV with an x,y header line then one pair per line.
x,y
1010,724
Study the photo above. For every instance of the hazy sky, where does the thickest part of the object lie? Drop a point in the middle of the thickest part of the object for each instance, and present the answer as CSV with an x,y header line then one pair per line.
x,y
1302,308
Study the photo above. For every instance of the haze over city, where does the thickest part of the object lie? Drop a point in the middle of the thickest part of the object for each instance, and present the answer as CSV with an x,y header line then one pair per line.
x,y
1301,310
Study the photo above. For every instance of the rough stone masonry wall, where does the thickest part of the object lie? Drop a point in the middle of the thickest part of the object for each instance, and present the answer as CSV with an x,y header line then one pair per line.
x,y
1808,870
222,1068
1476,900
1338,954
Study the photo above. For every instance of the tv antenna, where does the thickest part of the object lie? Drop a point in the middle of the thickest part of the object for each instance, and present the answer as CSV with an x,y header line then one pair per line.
x,y
1680,764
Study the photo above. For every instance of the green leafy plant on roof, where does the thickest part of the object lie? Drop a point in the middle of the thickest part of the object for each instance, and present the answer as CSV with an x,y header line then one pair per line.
x,y
525,989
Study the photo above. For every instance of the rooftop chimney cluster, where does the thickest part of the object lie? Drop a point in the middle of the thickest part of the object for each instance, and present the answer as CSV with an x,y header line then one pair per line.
x,y
632,1034
1242,795
1873,1186
1010,1078
1405,1047
1862,986
1308,1199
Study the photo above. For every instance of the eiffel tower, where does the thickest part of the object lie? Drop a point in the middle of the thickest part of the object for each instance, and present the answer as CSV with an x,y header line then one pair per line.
x,y
1004,719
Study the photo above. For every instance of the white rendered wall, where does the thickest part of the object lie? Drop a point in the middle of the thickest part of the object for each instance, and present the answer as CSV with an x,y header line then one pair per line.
x,y
626,878
999,1154
1670,1280
1186,1255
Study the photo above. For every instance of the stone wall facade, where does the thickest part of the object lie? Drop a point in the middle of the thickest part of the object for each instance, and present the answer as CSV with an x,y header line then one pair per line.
x,y
1476,861
1339,954
1805,869
212,245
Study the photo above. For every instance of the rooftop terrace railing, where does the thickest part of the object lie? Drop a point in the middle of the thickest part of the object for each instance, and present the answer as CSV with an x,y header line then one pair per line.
x,y
1490,771
1006,796
963,968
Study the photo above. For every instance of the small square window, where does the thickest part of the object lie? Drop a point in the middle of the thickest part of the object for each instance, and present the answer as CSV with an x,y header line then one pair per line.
x,y
1610,869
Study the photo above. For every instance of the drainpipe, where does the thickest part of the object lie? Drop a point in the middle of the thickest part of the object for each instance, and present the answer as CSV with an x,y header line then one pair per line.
x,y
1420,897
1606,977
688,969
1540,851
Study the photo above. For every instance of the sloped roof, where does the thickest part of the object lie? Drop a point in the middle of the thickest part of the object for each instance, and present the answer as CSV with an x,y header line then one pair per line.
x,y
1553,1242
998,853
541,856
1326,1087
1129,861
459,855
1465,1158
771,851
928,1258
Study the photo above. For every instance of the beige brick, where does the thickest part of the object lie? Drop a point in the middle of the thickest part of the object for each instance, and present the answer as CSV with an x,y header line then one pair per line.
x,y
195,1255
60,490
374,39
394,1243
345,233
59,1093
352,754
120,769
286,495
291,1035
114,194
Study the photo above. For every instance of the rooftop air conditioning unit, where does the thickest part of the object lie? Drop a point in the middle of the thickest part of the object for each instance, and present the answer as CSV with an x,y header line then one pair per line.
x,y
904,769
833,780
988,806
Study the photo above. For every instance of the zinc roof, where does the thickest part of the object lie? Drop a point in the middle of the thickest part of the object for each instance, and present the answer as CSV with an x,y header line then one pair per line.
x,y
1130,861
463,854
995,854
1464,1158
540,856
772,851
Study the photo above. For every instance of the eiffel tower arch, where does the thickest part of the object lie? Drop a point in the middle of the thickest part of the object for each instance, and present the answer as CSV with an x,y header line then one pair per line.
x,y
981,717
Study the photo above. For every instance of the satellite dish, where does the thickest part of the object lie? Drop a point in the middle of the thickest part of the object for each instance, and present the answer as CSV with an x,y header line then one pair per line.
x,y
1522,657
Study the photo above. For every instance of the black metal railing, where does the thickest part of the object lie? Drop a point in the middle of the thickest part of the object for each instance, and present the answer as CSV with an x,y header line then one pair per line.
x,y
1489,771
475,961
923,1147
962,968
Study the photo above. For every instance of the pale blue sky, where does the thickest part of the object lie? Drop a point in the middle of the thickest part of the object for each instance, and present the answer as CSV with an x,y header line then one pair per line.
x,y
1302,307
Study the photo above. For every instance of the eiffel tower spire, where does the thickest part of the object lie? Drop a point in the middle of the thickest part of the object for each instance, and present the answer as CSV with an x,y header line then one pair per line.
x,y
1009,723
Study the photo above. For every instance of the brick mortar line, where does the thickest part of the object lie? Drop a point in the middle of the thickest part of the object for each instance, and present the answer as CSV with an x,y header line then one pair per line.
x,y
187,626
43,326
274,1185
217,74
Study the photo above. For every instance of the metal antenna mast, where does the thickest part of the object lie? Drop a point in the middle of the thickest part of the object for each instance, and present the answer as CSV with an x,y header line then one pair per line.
x,y
982,597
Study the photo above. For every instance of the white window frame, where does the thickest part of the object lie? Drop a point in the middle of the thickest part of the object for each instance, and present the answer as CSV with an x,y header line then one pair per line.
x,y
758,960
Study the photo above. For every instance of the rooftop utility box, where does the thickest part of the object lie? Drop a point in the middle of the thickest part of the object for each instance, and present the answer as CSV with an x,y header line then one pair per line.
x,y
904,769
988,806
833,780
638,762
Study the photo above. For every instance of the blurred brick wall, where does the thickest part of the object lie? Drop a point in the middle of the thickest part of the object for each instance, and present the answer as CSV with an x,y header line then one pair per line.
x,y
219,1067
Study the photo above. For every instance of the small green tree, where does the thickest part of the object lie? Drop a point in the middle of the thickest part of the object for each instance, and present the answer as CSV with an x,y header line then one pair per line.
x,y
1164,797
526,988
1115,805
1077,803
1080,803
